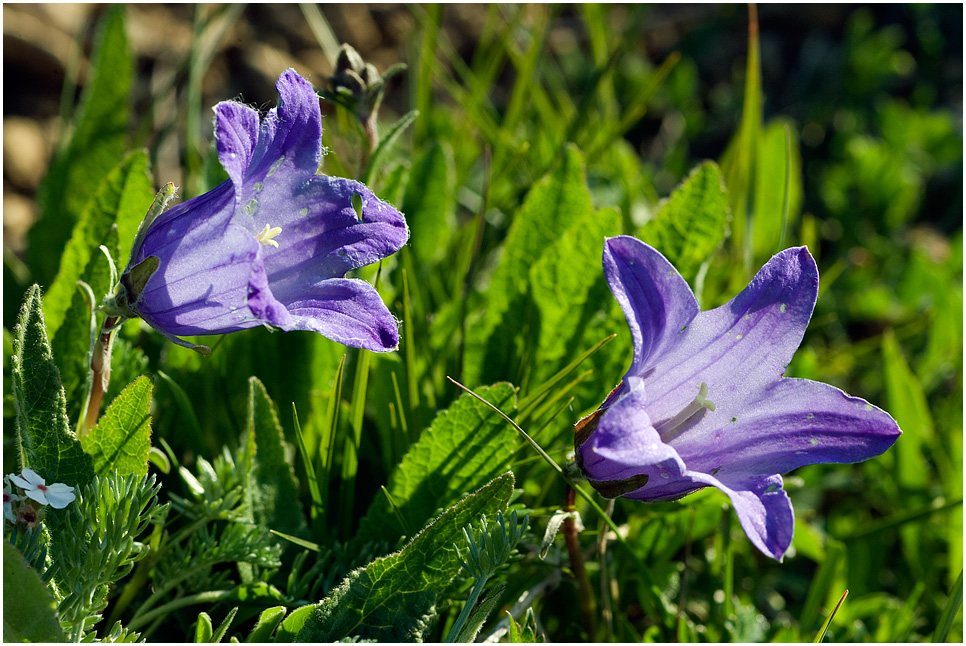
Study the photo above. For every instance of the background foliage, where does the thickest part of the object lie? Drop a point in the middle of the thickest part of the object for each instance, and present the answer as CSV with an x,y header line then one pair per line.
x,y
540,130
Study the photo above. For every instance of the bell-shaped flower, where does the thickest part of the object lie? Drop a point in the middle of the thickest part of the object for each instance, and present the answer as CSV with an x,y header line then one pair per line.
x,y
705,402
270,246
57,495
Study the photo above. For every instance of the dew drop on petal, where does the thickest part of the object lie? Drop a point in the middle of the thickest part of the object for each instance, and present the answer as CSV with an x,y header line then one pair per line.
x,y
258,186
738,338
251,208
813,442
810,416
275,165
303,211
782,308
868,406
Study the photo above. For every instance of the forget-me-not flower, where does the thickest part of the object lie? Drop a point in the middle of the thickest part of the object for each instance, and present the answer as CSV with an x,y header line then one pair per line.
x,y
57,495
705,403
270,246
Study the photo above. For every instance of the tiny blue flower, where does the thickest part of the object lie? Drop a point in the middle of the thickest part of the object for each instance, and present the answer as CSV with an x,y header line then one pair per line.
x,y
705,403
270,246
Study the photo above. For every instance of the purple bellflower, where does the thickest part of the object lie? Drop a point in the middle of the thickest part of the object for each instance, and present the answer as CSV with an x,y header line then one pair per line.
x,y
705,403
270,246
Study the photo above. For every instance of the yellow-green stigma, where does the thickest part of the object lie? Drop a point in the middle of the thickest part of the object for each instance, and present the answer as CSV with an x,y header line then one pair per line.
x,y
691,413
266,235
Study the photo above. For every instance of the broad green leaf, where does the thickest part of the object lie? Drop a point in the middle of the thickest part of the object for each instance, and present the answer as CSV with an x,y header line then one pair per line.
x,y
465,447
266,624
99,140
568,286
429,202
72,343
553,205
770,176
693,223
122,197
45,441
272,488
907,404
29,612
392,598
121,440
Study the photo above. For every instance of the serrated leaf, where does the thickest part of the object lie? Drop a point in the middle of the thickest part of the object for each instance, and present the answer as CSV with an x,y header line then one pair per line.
x,y
465,447
99,140
121,440
429,202
554,204
122,197
46,443
568,287
29,612
272,486
693,223
392,598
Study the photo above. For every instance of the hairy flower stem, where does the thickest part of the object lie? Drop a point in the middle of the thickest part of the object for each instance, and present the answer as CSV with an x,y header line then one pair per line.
x,y
585,593
100,373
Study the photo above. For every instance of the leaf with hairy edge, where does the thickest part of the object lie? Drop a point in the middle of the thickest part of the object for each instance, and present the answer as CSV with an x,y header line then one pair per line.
x,y
122,197
568,286
121,440
29,612
45,441
693,223
99,140
554,204
465,447
392,598
272,488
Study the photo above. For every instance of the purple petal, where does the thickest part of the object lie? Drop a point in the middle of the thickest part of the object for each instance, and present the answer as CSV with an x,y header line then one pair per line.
x,y
656,300
236,135
346,310
625,443
290,134
796,422
741,348
763,508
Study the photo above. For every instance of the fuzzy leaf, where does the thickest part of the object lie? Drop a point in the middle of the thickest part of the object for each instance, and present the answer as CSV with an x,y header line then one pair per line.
x,y
465,447
392,599
568,286
29,612
272,487
121,440
693,223
122,197
100,138
46,443
554,204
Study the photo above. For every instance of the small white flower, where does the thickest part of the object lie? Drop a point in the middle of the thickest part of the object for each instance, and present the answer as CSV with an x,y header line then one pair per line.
x,y
57,495
8,499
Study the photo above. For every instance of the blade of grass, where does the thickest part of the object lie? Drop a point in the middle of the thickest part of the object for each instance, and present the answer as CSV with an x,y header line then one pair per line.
x,y
327,441
526,405
315,510
950,610
409,353
821,633
187,410
350,455
821,584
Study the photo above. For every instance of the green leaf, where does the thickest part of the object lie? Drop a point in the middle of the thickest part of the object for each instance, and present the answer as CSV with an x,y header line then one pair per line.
x,y
553,205
429,203
392,599
99,140
29,612
121,440
569,288
266,624
693,223
907,403
465,447
45,441
122,197
272,487
773,161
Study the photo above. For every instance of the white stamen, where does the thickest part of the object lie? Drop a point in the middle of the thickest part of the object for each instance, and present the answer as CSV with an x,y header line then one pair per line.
x,y
673,427
266,235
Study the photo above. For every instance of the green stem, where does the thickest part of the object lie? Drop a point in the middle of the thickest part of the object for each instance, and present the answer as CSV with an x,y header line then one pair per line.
x,y
211,596
475,593
585,592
